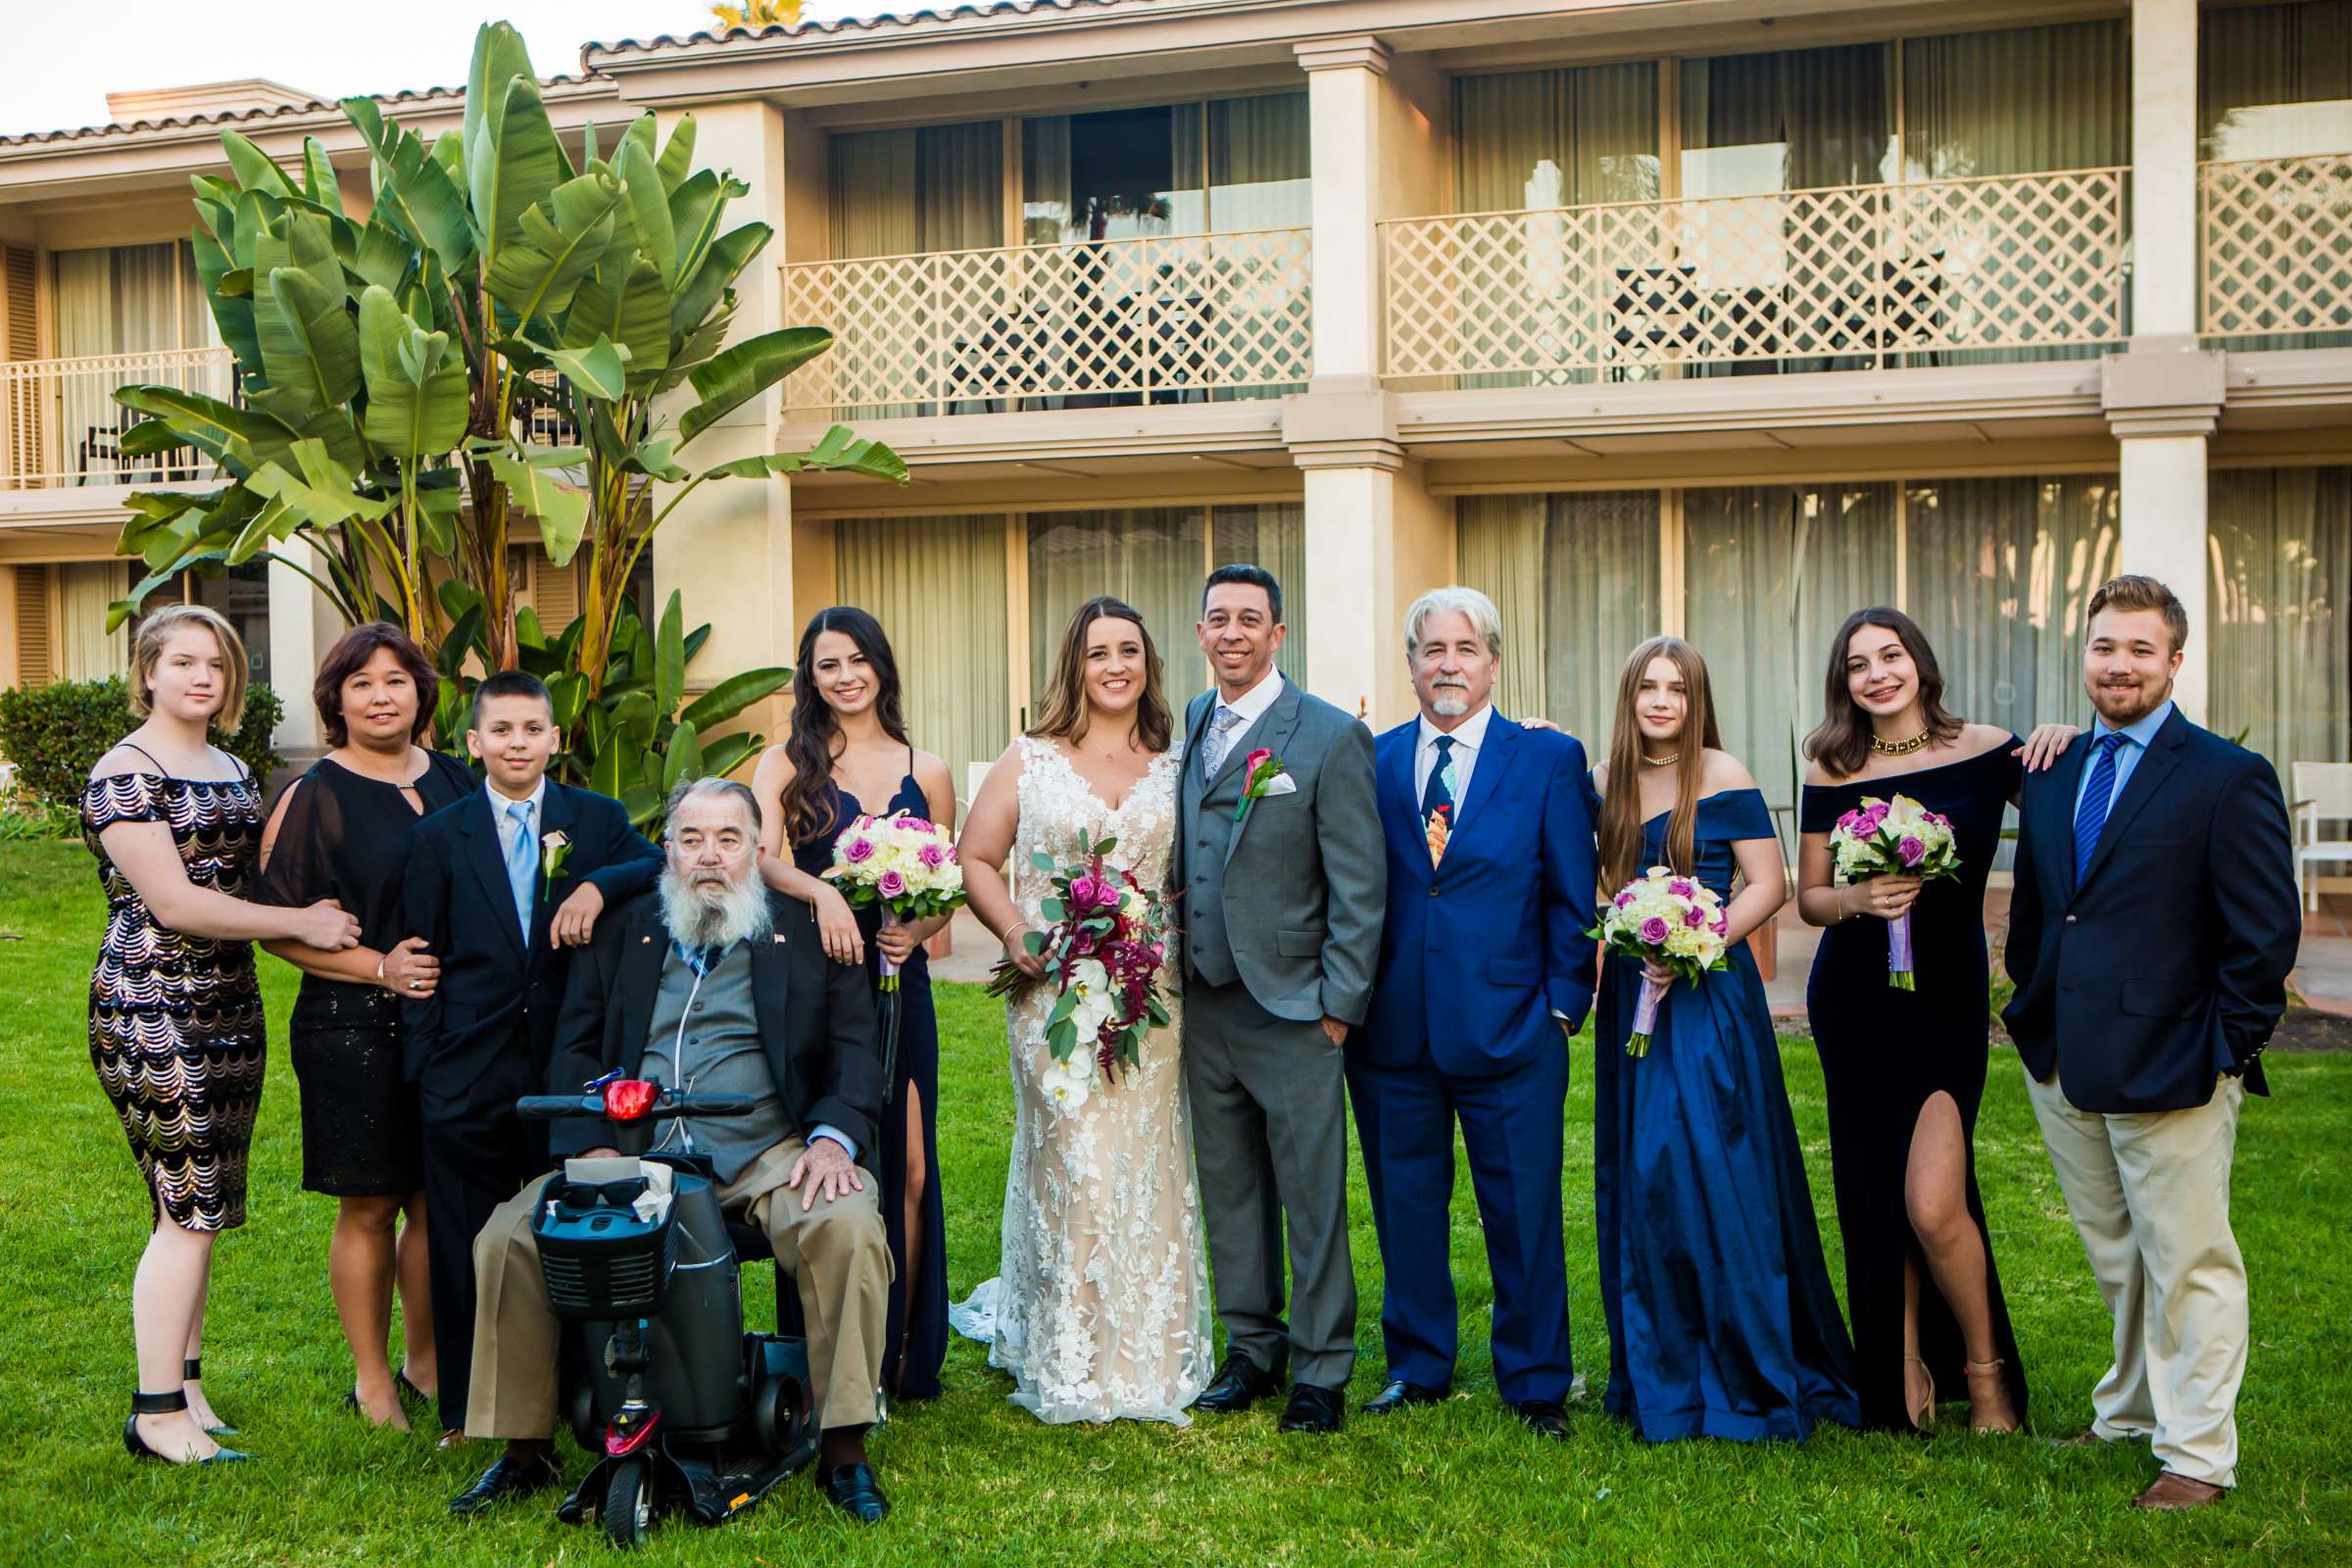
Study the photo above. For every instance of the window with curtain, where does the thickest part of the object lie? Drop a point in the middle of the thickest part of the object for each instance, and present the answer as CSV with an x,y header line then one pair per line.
x,y
1575,577
2275,82
1271,534
1796,120
85,591
938,587
2279,599
1152,557
1769,574
241,594
114,300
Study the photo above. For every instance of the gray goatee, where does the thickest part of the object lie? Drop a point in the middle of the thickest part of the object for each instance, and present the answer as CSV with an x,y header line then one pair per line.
x,y
706,916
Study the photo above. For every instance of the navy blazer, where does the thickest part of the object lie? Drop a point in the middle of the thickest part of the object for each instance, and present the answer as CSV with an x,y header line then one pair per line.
x,y
1479,951
497,999
2168,964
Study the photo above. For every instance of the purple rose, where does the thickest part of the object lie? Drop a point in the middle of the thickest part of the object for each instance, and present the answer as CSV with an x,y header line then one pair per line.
x,y
859,852
1694,917
932,855
1721,924
1653,931
1086,891
1625,897
1680,888
1911,851
891,885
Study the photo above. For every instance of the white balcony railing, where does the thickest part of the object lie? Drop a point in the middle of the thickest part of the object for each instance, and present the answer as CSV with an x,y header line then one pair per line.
x,y
1854,275
1163,314
61,425
2277,243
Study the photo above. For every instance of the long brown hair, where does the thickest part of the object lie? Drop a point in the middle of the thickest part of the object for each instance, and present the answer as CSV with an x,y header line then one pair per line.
x,y
1621,820
1841,742
809,802
1064,709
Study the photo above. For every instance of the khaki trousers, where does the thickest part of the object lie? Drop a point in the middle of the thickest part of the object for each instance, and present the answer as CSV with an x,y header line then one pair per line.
x,y
837,1253
2150,1197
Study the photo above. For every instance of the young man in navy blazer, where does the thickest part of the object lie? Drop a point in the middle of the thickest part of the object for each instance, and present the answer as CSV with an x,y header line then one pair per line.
x,y
1485,972
503,885
2150,934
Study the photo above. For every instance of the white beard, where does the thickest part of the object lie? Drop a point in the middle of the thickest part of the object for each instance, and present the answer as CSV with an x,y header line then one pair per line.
x,y
693,919
1450,701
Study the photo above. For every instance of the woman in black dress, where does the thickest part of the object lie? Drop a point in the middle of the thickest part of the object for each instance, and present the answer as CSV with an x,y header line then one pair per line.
x,y
849,746
1905,1069
341,831
175,1016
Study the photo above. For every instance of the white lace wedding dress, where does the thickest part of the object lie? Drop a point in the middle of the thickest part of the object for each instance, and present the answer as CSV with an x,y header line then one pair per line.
x,y
1102,1312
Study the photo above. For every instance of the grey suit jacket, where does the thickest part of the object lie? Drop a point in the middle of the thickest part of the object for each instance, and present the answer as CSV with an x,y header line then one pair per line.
x,y
1298,888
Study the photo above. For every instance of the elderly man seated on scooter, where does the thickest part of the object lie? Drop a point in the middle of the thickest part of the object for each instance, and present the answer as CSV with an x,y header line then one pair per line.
x,y
714,983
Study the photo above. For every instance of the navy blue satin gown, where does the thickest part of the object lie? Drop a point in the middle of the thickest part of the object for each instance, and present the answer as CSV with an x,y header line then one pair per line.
x,y
915,1342
1885,1053
1722,1323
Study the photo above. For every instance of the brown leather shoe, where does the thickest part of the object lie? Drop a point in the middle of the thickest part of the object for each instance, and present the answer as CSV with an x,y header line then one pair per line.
x,y
2173,1493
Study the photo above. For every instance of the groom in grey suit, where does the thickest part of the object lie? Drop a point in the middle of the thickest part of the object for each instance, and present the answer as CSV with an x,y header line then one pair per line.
x,y
1282,884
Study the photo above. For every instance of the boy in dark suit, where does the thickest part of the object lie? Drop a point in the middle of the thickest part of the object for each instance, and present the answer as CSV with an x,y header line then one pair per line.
x,y
503,885
2150,934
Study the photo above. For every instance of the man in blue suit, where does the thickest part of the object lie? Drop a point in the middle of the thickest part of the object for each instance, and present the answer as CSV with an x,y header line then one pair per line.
x,y
2150,934
1485,971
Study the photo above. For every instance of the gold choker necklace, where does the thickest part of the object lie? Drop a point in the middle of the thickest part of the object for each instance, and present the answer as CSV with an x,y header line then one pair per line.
x,y
1660,761
1917,741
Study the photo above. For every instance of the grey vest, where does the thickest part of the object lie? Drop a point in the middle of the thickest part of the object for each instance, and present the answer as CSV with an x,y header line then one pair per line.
x,y
708,1037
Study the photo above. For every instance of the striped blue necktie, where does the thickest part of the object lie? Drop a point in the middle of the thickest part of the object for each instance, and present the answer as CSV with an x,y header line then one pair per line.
x,y
2098,797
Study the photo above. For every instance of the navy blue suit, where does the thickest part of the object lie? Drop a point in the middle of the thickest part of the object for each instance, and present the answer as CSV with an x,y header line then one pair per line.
x,y
1477,955
2165,963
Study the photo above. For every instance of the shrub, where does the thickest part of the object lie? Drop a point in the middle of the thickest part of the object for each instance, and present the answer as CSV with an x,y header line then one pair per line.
x,y
38,824
55,734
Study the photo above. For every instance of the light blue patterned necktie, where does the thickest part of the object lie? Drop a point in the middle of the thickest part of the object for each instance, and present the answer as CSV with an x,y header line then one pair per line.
x,y
522,862
1220,738
2098,799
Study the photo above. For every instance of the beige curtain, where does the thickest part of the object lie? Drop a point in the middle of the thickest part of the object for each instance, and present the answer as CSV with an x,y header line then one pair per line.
x,y
2019,101
1152,557
1829,115
2280,589
1257,164
937,584
914,192
85,589
2275,82
1498,547
1271,534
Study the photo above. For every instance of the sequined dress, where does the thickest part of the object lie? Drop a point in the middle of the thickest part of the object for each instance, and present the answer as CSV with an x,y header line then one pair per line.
x,y
175,1020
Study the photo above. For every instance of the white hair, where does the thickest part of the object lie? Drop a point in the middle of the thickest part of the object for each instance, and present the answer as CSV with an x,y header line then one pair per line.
x,y
716,919
1473,606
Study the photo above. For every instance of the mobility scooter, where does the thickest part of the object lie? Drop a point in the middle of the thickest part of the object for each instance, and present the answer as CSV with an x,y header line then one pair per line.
x,y
681,1406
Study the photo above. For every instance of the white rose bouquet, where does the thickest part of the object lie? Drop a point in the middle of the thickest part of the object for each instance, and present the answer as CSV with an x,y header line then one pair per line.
x,y
1896,838
1674,919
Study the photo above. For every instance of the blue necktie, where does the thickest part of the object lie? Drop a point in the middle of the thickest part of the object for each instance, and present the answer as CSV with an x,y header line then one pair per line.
x,y
2098,797
523,864
1439,791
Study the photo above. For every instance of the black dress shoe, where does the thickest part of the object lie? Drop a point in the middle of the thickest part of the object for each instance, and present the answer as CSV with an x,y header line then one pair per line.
x,y
1543,1418
415,1398
1313,1410
506,1478
1240,1383
854,1491
166,1404
192,1371
1400,1393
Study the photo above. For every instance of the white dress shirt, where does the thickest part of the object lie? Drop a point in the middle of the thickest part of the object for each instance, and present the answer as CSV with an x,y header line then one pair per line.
x,y
1468,737
1251,705
507,827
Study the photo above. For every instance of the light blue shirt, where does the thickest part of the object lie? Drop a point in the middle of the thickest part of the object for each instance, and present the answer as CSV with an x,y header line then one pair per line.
x,y
2137,738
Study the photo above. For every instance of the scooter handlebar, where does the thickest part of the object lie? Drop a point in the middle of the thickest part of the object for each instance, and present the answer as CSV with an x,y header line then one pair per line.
x,y
556,1107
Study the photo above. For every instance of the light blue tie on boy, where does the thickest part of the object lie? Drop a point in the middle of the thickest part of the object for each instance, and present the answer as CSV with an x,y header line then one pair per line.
x,y
523,864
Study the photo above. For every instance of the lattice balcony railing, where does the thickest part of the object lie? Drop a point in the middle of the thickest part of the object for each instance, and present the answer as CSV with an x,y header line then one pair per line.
x,y
1168,314
2277,243
61,425
1854,275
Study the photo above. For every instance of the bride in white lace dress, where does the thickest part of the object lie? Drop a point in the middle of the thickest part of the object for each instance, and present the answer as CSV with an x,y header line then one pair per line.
x,y
1102,1311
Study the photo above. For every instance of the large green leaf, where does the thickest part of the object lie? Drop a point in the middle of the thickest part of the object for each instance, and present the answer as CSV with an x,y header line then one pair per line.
x,y
252,165
600,370
705,285
725,753
308,339
605,774
218,429
677,153
746,370
670,656
385,253
233,315
413,187
649,210
684,758
633,312
563,512
733,695
417,394
512,165
499,57
837,451
555,244
695,210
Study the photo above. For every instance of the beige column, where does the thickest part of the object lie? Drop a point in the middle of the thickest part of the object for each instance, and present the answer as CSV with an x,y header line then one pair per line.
x,y
303,626
2164,168
1345,108
1376,540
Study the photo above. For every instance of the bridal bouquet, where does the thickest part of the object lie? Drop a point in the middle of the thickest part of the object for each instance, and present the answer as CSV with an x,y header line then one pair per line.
x,y
909,868
1105,957
1676,921
1901,838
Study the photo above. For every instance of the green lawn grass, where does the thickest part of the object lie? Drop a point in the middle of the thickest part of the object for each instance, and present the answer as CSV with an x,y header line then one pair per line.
x,y
977,1480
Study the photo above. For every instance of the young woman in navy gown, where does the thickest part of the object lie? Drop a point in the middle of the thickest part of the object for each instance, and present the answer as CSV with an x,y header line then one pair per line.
x,y
1722,1323
847,755
1905,1069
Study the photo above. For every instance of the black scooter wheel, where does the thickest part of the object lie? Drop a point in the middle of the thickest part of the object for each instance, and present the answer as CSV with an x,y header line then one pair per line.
x,y
629,1504
586,1430
781,1414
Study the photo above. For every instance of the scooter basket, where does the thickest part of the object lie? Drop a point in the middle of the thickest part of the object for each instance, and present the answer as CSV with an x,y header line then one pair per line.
x,y
601,1261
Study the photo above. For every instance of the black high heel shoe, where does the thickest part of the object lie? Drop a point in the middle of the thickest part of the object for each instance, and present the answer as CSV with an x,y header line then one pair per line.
x,y
192,1371
415,1398
165,1405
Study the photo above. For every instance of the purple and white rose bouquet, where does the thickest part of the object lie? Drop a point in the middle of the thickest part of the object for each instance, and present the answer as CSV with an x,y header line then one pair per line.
x,y
1896,838
1678,921
909,868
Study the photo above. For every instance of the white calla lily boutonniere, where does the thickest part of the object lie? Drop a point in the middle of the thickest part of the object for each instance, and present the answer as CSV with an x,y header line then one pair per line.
x,y
555,848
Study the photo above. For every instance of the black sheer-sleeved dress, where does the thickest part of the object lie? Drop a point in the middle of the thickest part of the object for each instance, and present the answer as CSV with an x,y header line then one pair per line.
x,y
345,835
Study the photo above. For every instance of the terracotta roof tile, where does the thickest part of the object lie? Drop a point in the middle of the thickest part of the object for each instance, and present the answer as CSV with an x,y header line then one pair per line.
x,y
971,11
267,112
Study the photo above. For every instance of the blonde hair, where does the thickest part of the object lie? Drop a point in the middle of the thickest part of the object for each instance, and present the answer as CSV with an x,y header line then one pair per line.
x,y
147,647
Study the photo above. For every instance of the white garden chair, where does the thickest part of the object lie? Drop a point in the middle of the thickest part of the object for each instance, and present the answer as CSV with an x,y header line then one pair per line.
x,y
2323,796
